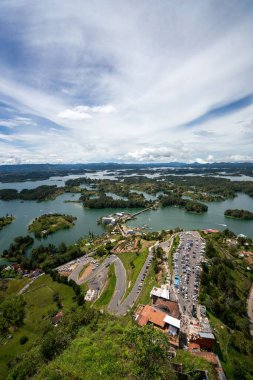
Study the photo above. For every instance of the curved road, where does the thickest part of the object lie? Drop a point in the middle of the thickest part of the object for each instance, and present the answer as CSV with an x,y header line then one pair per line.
x,y
120,288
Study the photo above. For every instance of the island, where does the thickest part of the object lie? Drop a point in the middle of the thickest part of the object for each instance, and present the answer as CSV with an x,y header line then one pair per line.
x,y
239,214
49,223
5,220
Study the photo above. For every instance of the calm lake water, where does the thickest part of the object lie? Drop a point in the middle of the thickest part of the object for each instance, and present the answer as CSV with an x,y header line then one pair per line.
x,y
165,218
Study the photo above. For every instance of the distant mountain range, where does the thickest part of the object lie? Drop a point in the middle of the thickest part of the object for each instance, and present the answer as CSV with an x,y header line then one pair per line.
x,y
114,165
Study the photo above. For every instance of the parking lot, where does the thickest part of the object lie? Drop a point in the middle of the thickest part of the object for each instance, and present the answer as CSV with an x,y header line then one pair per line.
x,y
187,267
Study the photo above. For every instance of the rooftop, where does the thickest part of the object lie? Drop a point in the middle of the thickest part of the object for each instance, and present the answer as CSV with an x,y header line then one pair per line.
x,y
172,321
162,292
152,315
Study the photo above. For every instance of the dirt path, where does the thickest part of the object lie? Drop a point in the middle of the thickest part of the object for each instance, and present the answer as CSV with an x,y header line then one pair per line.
x,y
250,310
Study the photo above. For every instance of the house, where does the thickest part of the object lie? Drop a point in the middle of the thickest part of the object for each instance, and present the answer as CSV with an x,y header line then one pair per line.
x,y
205,340
56,319
150,315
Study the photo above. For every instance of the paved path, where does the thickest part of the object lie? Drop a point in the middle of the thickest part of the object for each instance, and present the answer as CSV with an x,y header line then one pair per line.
x,y
75,274
24,289
250,310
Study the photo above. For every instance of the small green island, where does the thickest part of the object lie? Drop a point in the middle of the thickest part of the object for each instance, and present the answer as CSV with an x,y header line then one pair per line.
x,y
5,220
49,223
239,214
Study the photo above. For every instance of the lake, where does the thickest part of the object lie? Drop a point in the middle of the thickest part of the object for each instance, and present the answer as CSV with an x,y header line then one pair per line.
x,y
164,218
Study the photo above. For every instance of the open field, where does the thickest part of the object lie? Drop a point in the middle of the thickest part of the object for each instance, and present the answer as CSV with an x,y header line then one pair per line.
x,y
39,303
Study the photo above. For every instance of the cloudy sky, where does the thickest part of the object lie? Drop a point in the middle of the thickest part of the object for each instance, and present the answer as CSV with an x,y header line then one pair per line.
x,y
126,81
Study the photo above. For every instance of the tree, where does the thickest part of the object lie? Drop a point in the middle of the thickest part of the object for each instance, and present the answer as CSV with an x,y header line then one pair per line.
x,y
13,311
149,350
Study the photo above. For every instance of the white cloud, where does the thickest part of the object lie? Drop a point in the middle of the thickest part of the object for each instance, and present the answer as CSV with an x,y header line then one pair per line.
x,y
145,69
84,112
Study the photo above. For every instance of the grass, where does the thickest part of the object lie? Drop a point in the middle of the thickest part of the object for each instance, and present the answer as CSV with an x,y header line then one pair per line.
x,y
133,262
39,302
10,287
107,294
191,362
230,357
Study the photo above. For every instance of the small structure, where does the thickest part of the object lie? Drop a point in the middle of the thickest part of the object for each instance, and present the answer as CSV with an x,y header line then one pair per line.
x,y
173,325
56,319
91,295
162,292
205,340
108,220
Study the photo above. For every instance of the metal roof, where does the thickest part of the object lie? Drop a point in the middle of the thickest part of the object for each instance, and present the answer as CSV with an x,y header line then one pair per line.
x,y
172,321
206,335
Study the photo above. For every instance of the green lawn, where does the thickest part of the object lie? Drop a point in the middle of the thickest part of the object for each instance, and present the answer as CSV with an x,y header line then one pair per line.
x,y
107,294
13,286
39,302
191,362
133,262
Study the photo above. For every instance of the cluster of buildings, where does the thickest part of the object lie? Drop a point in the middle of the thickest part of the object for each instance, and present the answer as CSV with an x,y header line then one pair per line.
x,y
165,314
111,220
15,267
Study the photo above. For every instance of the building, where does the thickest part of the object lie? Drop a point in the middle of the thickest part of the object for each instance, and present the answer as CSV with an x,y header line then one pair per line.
x,y
168,306
173,324
147,315
162,292
108,220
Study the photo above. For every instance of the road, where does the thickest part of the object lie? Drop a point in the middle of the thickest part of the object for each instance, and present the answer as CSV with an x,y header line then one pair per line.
x,y
75,274
115,306
120,288
128,303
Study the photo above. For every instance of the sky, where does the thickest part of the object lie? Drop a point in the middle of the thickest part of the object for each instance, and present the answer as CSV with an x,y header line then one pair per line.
x,y
126,81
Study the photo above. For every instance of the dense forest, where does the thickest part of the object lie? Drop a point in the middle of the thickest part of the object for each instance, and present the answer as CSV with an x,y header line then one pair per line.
x,y
40,193
188,205
239,214
5,220
49,223
225,285
18,247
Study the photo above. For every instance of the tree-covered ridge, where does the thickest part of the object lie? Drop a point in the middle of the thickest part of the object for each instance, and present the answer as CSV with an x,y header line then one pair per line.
x,y
225,286
49,223
239,214
188,205
40,193
5,220
18,247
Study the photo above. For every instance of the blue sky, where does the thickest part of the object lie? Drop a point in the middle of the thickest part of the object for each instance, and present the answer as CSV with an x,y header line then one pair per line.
x,y
126,81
